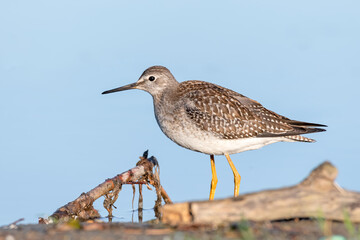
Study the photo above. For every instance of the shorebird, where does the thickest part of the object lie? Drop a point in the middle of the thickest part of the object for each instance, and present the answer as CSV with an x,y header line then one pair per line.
x,y
214,120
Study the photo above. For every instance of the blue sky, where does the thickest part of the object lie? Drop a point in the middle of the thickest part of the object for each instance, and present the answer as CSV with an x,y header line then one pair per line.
x,y
61,137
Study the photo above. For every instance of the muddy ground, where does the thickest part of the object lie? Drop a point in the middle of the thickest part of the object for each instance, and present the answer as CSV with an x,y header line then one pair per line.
x,y
294,230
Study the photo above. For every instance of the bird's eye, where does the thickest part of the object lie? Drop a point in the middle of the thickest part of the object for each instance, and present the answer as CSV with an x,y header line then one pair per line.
x,y
151,78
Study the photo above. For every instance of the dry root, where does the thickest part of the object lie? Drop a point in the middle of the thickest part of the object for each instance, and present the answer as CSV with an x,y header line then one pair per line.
x,y
82,207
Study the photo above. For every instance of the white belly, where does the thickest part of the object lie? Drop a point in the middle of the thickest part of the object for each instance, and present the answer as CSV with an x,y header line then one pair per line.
x,y
191,137
215,146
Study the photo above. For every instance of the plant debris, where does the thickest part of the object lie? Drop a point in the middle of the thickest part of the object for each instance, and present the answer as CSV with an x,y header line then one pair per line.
x,y
82,208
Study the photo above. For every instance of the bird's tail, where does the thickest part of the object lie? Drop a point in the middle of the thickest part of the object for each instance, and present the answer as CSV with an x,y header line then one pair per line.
x,y
299,138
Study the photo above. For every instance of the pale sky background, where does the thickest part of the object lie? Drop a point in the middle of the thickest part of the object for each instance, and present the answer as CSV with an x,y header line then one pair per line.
x,y
60,137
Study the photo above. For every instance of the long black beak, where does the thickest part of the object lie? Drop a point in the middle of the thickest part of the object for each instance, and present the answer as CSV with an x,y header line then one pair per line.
x,y
123,88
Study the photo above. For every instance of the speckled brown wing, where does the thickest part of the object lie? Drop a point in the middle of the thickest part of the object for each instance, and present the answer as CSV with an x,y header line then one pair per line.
x,y
230,115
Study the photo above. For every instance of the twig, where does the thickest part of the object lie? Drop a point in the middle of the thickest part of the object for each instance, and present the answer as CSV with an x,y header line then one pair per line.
x,y
13,225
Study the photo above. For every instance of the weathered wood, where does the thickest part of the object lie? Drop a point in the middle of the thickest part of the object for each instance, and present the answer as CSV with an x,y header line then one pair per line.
x,y
82,207
316,196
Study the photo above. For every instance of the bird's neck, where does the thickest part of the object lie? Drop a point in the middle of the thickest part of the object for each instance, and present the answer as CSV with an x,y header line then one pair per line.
x,y
167,96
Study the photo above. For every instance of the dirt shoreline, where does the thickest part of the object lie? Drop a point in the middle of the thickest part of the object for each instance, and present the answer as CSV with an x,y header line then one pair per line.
x,y
296,230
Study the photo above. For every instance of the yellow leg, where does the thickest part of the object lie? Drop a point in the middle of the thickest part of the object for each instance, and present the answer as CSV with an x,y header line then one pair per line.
x,y
214,179
237,176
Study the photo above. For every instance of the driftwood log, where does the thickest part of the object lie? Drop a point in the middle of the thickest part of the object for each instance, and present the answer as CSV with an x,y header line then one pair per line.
x,y
318,196
82,207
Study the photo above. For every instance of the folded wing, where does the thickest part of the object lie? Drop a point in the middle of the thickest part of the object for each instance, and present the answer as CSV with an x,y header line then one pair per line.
x,y
230,115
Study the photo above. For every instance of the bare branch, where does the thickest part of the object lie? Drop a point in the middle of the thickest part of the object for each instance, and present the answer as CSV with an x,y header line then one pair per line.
x,y
82,207
317,196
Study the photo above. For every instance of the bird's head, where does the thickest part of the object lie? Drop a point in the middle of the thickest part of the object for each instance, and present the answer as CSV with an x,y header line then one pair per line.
x,y
154,80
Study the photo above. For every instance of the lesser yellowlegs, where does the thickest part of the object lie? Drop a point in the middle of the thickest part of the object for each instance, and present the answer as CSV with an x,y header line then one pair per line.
x,y
208,118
